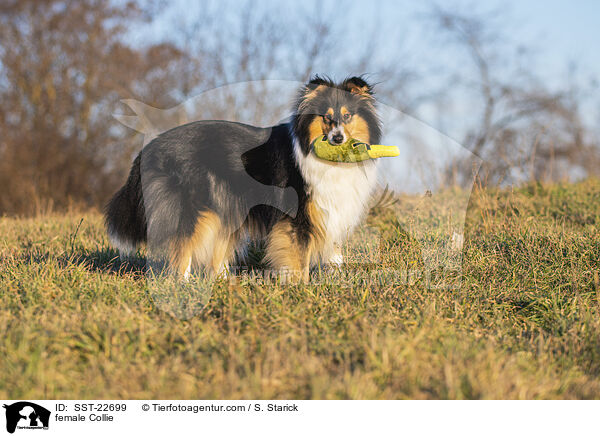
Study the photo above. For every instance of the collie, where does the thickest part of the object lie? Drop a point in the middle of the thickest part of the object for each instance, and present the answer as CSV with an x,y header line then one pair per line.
x,y
199,193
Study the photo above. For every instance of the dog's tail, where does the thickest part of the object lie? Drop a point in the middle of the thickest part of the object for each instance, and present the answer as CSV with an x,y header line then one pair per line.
x,y
125,216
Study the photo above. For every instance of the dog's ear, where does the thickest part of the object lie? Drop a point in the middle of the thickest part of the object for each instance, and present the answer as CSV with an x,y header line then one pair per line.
x,y
358,85
317,80
311,89
315,83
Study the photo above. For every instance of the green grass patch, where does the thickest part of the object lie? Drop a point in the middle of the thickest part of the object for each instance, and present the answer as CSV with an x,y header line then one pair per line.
x,y
75,322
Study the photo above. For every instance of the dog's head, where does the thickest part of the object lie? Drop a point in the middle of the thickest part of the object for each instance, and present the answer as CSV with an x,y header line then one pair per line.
x,y
338,110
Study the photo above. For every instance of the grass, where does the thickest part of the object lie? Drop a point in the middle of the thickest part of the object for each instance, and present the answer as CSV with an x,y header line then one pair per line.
x,y
77,323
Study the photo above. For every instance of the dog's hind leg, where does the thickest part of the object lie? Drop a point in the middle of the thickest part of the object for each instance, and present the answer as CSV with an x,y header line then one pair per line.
x,y
180,258
209,248
223,253
195,250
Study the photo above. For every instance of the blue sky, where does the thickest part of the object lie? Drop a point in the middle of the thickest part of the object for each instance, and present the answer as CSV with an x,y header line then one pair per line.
x,y
560,30
571,27
565,31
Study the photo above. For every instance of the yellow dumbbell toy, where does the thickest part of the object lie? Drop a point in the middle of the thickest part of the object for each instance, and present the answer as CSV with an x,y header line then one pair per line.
x,y
352,150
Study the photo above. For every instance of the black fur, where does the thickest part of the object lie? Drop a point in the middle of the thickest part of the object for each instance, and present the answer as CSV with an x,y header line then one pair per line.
x,y
233,169
125,214
249,164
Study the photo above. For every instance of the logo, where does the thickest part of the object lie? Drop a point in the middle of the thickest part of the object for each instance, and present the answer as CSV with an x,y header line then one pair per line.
x,y
26,415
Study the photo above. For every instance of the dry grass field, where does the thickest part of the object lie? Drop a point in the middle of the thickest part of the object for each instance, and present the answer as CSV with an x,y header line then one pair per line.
x,y
75,322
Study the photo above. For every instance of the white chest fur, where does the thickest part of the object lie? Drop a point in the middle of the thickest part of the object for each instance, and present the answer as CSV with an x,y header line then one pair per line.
x,y
341,190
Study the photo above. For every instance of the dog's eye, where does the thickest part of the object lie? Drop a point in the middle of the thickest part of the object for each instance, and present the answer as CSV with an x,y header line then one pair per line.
x,y
328,118
347,116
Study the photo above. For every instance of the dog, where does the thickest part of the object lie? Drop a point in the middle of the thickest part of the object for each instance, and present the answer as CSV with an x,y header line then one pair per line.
x,y
198,194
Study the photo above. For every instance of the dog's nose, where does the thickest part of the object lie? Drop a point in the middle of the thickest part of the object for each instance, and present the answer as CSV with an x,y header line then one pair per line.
x,y
338,138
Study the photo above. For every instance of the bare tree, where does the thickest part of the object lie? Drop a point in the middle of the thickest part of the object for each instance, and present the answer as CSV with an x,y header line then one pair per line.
x,y
63,66
523,130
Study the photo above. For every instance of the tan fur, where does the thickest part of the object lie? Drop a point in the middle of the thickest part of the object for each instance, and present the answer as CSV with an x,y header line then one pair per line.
x,y
286,254
207,248
317,128
318,238
360,90
358,128
222,253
